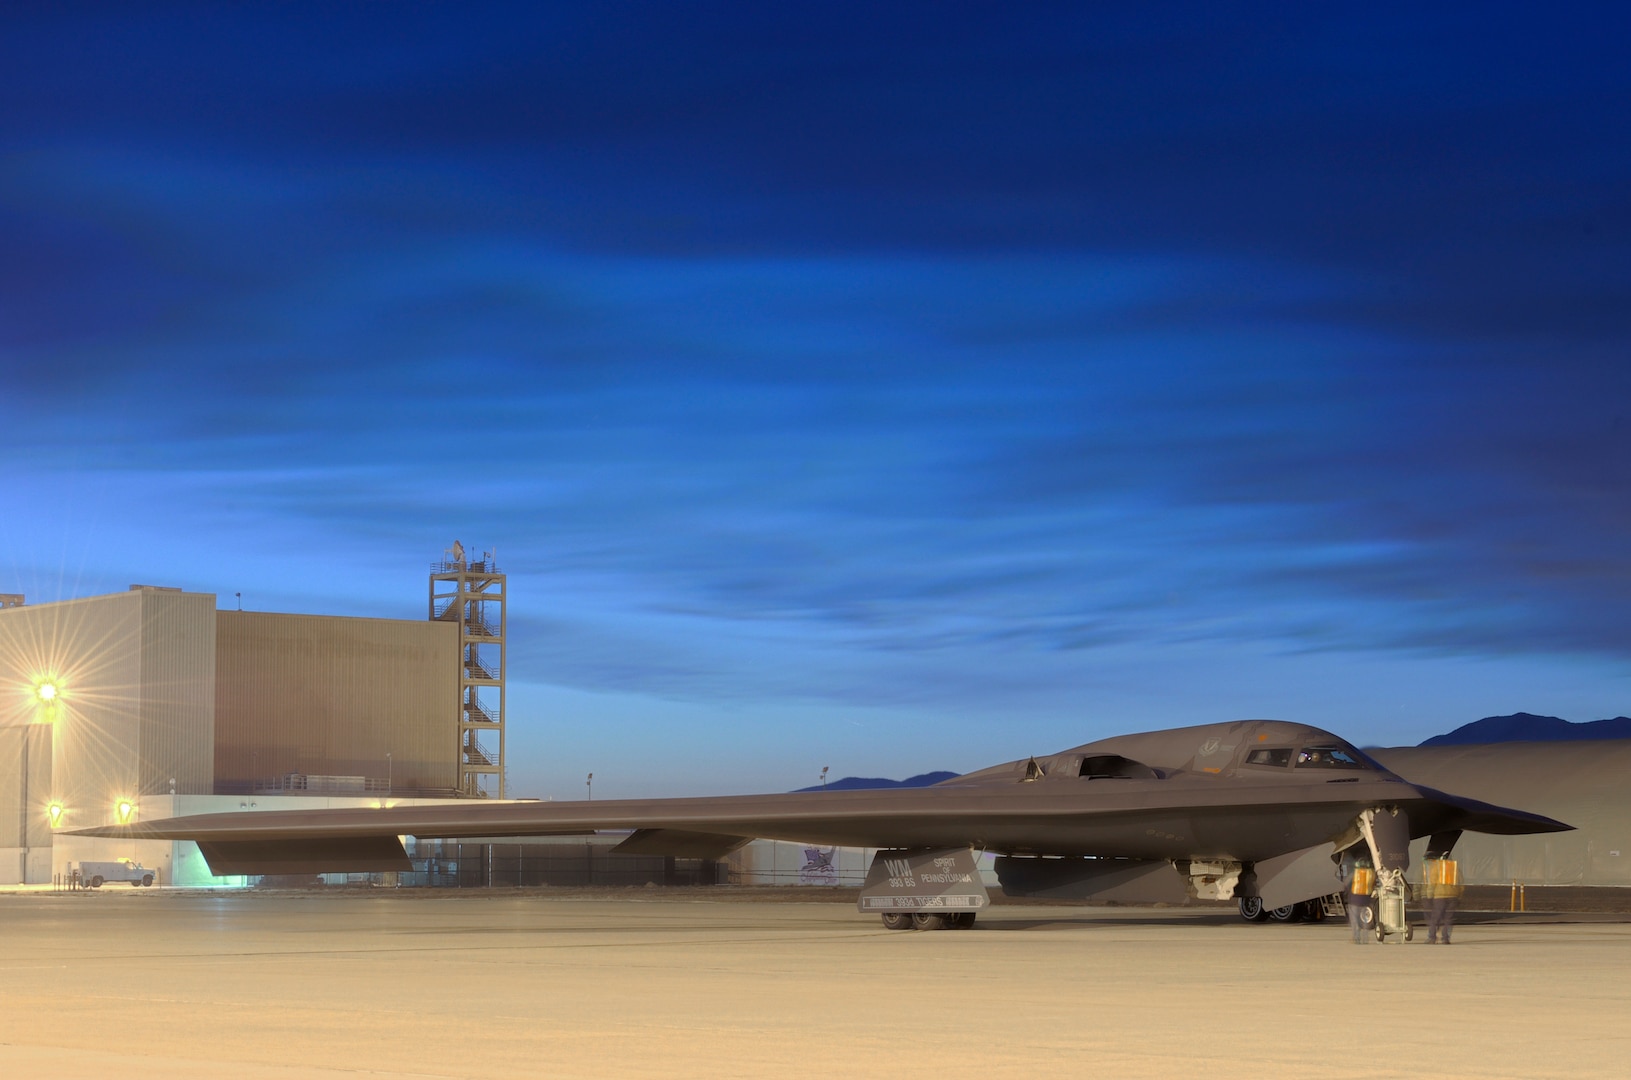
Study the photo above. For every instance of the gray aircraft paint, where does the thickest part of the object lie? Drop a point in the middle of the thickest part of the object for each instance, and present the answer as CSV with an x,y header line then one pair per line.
x,y
1182,796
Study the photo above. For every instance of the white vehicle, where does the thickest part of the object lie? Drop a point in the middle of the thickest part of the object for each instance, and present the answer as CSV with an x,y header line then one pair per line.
x,y
93,875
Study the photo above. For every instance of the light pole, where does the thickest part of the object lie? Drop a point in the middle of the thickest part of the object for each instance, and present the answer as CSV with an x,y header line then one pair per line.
x,y
824,769
22,838
590,784
48,693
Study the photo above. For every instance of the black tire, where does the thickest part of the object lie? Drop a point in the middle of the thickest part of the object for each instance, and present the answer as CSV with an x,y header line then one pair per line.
x,y
1288,914
1251,908
1313,911
147,880
963,920
897,920
928,920
96,882
1367,916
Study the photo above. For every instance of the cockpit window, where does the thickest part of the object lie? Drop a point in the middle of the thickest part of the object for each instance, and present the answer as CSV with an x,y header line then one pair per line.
x,y
1326,757
1114,766
1280,757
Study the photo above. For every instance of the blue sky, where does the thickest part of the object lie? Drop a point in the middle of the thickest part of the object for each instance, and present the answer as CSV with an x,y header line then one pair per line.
x,y
877,386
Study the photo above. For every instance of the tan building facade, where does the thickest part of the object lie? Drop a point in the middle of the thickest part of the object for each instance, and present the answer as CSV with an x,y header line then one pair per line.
x,y
110,704
25,796
125,684
305,695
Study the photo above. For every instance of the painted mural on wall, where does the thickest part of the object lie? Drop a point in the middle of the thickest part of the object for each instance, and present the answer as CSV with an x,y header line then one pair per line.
x,y
818,868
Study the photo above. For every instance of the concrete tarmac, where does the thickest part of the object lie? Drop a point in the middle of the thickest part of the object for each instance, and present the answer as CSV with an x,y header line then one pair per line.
x,y
188,985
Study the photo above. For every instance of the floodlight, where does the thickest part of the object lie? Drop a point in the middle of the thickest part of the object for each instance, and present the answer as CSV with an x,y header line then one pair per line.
x,y
125,810
46,692
54,812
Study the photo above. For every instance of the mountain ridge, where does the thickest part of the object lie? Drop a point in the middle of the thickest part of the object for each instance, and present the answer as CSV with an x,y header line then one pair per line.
x,y
1530,727
859,783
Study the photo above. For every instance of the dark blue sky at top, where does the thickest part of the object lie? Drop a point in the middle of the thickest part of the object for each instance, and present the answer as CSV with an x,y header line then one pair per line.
x,y
889,387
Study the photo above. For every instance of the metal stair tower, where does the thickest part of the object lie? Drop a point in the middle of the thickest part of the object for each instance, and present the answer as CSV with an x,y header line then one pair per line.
x,y
471,593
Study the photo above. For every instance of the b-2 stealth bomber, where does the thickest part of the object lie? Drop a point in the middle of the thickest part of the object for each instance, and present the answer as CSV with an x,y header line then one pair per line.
x,y
1254,810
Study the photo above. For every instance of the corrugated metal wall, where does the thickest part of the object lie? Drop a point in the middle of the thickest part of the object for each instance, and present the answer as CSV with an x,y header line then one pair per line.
x,y
94,751
333,696
25,787
177,735
128,716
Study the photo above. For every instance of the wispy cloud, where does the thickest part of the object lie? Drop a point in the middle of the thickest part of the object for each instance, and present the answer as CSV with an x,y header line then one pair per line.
x,y
807,363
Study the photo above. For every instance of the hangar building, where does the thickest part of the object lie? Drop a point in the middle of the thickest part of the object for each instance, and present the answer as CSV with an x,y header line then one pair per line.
x,y
154,703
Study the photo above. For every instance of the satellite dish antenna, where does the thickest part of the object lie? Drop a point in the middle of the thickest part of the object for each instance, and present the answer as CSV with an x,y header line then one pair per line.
x,y
458,552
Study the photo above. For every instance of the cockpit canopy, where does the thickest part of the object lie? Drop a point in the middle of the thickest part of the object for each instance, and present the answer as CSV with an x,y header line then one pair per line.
x,y
1327,756
1260,748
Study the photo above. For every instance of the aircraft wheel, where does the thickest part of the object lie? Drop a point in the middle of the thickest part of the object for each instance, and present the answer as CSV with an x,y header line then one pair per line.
x,y
897,920
1313,911
1289,913
1251,908
928,920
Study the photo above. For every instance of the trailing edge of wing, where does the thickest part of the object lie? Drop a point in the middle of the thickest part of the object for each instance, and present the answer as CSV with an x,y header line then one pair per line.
x,y
681,844
327,855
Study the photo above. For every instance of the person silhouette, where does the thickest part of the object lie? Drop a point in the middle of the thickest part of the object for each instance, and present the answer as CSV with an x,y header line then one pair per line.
x,y
1358,883
1441,886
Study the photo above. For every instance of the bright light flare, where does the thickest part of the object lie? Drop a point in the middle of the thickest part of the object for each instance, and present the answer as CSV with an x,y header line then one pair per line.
x,y
54,812
124,810
47,692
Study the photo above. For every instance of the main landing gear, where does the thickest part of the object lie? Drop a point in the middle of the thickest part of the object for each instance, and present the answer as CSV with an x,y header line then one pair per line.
x,y
928,920
1252,910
